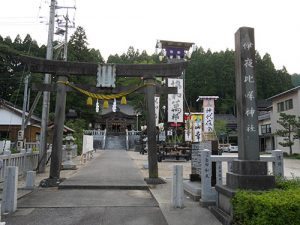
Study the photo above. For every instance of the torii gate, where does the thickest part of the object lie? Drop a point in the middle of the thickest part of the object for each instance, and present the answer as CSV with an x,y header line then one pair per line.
x,y
63,69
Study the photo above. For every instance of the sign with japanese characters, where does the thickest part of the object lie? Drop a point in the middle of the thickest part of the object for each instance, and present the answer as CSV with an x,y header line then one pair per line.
x,y
197,119
175,101
156,105
208,110
246,94
106,75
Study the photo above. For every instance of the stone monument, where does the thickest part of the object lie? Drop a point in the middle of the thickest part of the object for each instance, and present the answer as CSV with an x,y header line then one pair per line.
x,y
248,172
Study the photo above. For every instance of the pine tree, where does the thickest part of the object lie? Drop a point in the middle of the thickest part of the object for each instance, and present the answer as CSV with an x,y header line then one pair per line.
x,y
290,126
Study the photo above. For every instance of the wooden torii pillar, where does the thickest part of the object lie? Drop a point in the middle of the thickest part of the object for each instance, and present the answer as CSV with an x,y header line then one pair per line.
x,y
63,69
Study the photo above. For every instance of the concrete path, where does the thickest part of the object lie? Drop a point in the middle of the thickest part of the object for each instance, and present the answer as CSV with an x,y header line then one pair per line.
x,y
112,170
108,191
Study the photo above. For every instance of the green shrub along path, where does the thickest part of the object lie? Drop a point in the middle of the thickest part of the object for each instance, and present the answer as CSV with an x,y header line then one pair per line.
x,y
276,207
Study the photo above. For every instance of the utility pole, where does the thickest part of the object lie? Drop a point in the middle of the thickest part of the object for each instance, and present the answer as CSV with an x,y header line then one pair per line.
x,y
59,120
46,95
25,101
66,37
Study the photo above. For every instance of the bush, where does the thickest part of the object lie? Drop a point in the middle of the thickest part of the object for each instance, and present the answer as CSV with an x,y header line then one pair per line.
x,y
285,184
275,207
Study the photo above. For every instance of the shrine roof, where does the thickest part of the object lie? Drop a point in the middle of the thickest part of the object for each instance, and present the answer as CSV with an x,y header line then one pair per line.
x,y
125,109
175,44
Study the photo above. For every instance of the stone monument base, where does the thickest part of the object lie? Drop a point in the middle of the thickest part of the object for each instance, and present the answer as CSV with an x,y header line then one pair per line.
x,y
250,175
68,165
154,181
192,189
51,182
246,174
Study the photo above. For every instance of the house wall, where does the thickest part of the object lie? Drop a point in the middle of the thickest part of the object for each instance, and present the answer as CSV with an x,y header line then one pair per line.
x,y
10,121
30,132
9,118
12,131
275,117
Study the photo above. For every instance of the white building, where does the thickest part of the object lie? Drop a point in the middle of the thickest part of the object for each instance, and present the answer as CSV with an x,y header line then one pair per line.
x,y
287,102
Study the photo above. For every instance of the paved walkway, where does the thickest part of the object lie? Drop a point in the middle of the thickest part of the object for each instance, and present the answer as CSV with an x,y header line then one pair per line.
x,y
108,191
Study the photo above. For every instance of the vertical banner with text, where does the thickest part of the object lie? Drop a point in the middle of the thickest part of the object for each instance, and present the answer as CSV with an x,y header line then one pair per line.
x,y
175,101
197,119
208,109
188,128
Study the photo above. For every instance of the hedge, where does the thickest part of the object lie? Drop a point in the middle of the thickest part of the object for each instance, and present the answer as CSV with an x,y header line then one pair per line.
x,y
280,206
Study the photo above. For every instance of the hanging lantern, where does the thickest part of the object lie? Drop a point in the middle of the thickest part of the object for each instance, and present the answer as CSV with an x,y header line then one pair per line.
x,y
123,100
89,101
105,104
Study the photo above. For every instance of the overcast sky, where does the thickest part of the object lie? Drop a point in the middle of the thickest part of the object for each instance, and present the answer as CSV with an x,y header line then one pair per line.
x,y
114,25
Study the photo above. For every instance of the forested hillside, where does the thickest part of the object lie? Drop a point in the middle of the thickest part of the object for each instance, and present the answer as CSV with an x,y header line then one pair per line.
x,y
208,73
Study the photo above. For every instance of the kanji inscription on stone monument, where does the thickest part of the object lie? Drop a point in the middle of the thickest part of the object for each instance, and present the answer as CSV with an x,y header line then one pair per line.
x,y
246,94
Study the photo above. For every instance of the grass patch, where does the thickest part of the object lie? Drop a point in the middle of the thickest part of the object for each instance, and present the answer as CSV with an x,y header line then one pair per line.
x,y
293,156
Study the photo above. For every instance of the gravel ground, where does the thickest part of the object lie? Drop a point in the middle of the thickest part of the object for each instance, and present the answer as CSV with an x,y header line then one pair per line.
x,y
165,167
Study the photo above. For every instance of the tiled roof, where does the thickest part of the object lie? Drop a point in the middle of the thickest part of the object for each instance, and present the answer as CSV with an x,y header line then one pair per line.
x,y
126,109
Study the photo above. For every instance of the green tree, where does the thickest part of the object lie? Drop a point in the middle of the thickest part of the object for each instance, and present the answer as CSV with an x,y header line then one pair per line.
x,y
290,125
221,129
296,80
78,125
79,51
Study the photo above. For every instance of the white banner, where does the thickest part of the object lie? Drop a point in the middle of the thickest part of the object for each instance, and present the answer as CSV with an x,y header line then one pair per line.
x,y
188,131
208,110
156,105
175,101
87,143
208,119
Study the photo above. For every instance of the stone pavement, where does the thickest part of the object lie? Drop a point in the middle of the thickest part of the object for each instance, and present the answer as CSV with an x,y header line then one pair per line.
x,y
113,170
109,190
192,213
91,196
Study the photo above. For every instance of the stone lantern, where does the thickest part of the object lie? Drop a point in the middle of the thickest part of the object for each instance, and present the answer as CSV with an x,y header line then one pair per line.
x,y
68,164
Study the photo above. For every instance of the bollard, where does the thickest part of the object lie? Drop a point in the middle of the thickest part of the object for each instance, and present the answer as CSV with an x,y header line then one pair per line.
x,y
9,198
278,167
208,195
177,187
30,180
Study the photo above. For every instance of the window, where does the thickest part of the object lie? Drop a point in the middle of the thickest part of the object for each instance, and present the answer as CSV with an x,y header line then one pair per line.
x,y
280,106
286,105
4,135
265,129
